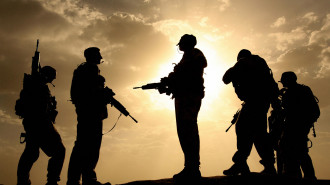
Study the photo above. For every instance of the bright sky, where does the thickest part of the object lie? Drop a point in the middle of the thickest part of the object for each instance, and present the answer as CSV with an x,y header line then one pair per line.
x,y
137,40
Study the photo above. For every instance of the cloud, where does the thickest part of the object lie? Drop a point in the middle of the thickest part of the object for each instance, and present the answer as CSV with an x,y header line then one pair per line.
x,y
36,22
279,22
305,50
7,119
130,44
309,58
322,36
173,28
74,11
310,17
285,40
225,4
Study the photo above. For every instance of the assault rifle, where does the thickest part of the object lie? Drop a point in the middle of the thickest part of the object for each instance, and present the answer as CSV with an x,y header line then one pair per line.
x,y
162,87
235,119
35,69
117,104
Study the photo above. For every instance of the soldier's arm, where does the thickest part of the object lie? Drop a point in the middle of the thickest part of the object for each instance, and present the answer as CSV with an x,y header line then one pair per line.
x,y
228,76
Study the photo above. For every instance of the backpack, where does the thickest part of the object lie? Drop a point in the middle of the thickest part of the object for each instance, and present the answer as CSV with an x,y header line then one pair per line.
x,y
255,80
314,108
21,102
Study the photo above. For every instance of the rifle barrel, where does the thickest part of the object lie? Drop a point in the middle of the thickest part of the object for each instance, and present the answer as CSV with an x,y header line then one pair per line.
x,y
229,127
137,87
133,119
37,45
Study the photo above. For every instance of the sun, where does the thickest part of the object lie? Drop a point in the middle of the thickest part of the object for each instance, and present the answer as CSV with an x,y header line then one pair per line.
x,y
212,76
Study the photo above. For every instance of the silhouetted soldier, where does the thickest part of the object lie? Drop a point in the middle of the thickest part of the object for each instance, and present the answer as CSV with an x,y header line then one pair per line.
x,y
39,112
186,85
301,111
254,84
88,96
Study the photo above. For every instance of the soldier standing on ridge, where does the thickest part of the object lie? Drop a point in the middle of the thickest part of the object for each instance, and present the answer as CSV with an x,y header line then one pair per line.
x,y
39,113
186,84
255,85
301,111
90,99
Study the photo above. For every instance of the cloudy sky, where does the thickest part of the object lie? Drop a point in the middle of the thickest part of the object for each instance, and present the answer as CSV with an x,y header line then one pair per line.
x,y
137,40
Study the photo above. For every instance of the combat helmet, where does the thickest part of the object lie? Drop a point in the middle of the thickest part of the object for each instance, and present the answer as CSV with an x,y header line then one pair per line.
x,y
188,40
49,73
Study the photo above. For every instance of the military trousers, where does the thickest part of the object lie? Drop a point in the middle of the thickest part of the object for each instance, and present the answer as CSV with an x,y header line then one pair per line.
x,y
251,128
85,153
186,111
294,146
41,134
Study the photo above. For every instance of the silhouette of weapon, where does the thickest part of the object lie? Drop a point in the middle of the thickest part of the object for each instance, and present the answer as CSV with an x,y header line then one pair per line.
x,y
161,87
313,128
235,119
117,104
36,60
121,108
149,86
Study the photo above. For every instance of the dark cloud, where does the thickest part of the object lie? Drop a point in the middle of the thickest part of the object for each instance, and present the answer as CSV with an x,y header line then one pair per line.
x,y
28,19
310,61
139,46
22,23
306,63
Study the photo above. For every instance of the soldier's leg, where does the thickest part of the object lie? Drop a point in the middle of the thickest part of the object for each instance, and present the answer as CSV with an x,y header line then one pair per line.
x,y
291,165
244,133
186,116
306,161
307,167
28,157
53,147
90,159
263,144
75,165
90,137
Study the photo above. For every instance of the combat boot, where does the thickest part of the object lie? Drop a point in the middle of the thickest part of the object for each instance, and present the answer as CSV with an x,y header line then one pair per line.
x,y
238,168
269,170
95,183
28,182
51,183
188,175
73,183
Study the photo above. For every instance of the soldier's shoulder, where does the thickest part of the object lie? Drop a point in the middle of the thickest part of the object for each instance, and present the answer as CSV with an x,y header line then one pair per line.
x,y
200,56
197,52
304,88
87,67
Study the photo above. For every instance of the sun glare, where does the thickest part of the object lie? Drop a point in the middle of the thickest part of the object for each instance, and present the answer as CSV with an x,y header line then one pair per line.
x,y
212,76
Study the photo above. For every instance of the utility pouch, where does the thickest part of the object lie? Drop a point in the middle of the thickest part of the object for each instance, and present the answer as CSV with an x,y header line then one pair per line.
x,y
22,138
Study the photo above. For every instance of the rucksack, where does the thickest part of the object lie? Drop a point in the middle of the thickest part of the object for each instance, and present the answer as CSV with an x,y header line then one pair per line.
x,y
309,103
21,102
255,80
314,108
